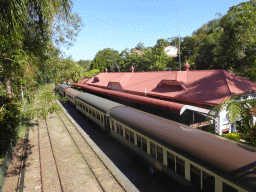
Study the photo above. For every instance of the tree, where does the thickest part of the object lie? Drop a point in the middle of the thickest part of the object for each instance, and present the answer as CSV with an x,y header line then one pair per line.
x,y
45,102
236,51
140,46
242,110
64,31
28,57
160,60
85,64
107,58
174,41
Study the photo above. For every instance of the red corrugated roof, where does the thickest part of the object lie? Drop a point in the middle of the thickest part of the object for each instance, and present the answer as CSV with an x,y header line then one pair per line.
x,y
200,86
84,80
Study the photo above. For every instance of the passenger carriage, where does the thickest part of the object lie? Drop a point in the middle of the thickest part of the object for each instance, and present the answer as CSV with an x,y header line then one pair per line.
x,y
62,88
188,155
95,108
71,95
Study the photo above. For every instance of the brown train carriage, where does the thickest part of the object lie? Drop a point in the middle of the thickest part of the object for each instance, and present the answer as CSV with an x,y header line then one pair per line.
x,y
191,156
62,88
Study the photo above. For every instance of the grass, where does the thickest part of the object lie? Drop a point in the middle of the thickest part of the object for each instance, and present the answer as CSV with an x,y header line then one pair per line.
x,y
22,131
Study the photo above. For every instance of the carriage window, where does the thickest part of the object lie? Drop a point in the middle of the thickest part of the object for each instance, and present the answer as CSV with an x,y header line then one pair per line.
x,y
101,117
208,182
228,188
152,149
160,154
195,176
121,131
139,141
180,166
171,161
113,124
127,134
83,107
144,144
117,128
132,137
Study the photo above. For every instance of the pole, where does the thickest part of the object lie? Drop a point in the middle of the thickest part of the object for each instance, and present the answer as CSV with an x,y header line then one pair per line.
x,y
179,38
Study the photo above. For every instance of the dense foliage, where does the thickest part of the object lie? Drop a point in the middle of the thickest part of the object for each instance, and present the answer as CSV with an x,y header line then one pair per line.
x,y
30,31
227,42
141,58
242,111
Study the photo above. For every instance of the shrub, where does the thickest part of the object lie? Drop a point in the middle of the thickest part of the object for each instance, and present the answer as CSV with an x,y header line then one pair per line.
x,y
232,136
252,135
9,122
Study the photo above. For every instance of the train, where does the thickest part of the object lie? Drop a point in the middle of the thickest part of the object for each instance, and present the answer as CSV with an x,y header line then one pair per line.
x,y
190,156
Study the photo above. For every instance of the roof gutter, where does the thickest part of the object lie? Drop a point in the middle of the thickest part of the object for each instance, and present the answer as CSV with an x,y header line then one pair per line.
x,y
193,108
159,104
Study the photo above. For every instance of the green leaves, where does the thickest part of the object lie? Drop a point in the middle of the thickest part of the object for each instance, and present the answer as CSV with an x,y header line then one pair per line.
x,y
234,110
237,110
107,58
44,103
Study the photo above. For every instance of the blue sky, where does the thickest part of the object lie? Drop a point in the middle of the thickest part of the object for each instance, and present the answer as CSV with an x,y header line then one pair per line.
x,y
121,24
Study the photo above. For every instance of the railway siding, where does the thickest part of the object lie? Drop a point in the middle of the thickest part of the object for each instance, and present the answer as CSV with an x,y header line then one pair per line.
x,y
49,170
74,173
54,163
122,179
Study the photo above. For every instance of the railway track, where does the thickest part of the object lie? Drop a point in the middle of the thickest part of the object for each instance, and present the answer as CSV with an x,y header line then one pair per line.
x,y
64,159
106,180
49,154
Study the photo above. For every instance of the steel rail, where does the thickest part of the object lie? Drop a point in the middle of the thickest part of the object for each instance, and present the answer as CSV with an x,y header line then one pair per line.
x,y
103,189
93,152
54,156
39,154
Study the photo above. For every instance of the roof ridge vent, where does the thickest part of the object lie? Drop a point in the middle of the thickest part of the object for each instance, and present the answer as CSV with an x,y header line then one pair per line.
x,y
171,84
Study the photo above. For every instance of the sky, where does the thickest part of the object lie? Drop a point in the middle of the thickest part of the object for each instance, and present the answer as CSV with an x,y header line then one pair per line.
x,y
121,24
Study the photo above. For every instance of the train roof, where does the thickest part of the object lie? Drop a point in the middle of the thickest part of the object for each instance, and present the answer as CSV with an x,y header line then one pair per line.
x,y
98,102
232,160
63,86
73,91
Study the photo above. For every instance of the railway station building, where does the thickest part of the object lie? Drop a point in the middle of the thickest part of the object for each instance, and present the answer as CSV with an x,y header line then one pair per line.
x,y
183,96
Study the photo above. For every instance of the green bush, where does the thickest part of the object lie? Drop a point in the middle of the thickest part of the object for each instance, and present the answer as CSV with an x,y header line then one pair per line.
x,y
91,73
232,136
9,122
